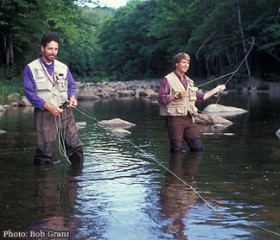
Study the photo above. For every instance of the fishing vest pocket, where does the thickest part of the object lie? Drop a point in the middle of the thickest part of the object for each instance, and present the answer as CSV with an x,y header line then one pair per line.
x,y
171,111
43,84
192,93
176,111
62,83
39,73
193,110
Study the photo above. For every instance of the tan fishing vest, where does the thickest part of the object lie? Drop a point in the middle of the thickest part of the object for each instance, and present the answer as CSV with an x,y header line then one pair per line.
x,y
180,107
54,93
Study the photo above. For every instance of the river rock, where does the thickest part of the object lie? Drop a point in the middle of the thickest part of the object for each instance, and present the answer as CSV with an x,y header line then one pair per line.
x,y
6,106
223,111
13,97
125,93
116,126
119,132
214,120
209,125
2,109
87,94
145,93
24,102
81,125
14,104
2,131
106,92
278,133
116,123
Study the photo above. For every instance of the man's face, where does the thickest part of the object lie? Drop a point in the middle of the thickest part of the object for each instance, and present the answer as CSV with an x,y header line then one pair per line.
x,y
49,52
183,66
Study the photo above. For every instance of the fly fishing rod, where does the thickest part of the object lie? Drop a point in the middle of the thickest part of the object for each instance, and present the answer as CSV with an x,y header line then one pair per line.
x,y
238,67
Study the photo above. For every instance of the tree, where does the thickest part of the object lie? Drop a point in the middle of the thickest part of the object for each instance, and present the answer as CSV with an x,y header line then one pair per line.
x,y
18,28
128,52
24,21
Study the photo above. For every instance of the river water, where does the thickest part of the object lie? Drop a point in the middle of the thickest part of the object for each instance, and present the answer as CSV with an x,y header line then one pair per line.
x,y
132,188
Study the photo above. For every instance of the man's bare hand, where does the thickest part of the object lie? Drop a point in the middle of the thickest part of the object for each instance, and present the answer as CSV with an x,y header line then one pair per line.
x,y
54,110
72,102
220,88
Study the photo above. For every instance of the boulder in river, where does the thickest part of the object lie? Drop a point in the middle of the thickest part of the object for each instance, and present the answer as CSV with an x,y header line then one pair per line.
x,y
213,120
223,111
2,131
24,102
117,126
116,123
150,93
88,94
211,124
278,133
12,97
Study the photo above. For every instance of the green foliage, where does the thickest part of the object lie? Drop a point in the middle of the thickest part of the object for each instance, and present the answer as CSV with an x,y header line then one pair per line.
x,y
12,86
138,40
25,21
128,52
7,73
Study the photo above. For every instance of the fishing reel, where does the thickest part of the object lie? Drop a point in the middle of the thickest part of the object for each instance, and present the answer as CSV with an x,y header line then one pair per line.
x,y
64,105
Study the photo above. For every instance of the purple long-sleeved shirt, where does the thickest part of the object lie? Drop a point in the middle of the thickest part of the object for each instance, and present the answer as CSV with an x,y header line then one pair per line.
x,y
30,86
164,91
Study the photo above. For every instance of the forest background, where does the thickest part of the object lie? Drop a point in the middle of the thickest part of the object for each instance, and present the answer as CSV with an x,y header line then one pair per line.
x,y
137,41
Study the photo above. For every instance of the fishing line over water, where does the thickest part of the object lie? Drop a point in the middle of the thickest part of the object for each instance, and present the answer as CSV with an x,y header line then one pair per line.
x,y
155,160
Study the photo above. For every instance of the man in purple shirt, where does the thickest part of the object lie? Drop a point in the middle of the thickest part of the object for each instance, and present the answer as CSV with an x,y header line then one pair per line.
x,y
177,98
50,87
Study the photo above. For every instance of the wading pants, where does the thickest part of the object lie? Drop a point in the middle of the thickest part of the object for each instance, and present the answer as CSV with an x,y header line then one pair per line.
x,y
182,128
47,130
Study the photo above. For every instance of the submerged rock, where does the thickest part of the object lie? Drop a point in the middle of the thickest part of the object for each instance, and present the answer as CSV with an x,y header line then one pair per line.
x,y
116,126
119,132
88,94
145,93
125,93
116,123
223,111
12,97
2,131
208,124
81,125
214,120
278,133
24,102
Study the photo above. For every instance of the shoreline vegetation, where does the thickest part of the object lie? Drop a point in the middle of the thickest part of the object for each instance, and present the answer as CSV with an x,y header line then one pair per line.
x,y
137,41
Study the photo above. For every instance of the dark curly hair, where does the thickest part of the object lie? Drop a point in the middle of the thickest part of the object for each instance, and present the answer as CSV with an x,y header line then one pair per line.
x,y
48,37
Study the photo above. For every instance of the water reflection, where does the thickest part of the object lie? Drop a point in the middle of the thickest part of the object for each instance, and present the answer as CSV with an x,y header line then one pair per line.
x,y
56,197
120,191
176,196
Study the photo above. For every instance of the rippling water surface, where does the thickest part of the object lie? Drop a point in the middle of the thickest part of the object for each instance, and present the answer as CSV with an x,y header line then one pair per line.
x,y
132,188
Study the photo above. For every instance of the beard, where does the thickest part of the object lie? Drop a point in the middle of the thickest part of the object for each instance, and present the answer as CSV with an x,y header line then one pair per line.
x,y
49,57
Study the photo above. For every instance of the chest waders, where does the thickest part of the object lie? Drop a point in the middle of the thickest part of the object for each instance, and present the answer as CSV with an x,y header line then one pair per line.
x,y
54,90
179,116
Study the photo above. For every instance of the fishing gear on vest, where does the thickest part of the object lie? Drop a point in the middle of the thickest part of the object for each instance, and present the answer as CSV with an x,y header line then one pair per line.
x,y
64,105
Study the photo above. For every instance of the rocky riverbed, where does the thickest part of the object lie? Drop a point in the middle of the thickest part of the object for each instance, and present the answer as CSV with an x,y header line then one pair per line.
x,y
130,89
